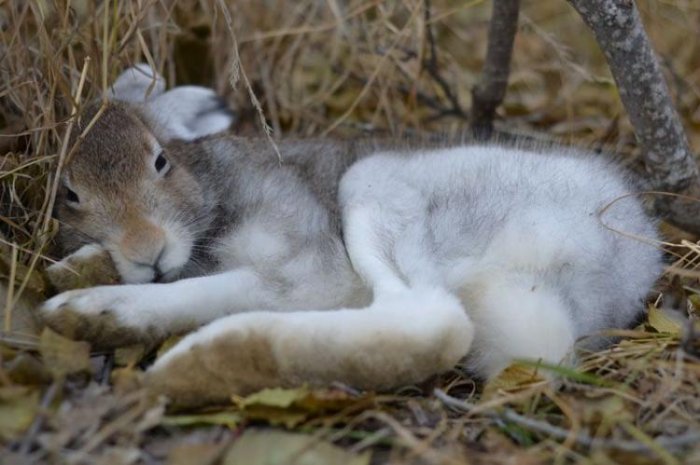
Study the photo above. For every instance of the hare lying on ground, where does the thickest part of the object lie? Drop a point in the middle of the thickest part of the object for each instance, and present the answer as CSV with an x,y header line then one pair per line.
x,y
375,267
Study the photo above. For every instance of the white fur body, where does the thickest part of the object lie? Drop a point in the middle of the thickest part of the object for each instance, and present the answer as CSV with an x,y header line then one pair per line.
x,y
485,252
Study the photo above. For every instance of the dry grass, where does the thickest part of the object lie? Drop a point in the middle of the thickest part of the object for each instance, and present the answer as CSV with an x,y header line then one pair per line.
x,y
339,67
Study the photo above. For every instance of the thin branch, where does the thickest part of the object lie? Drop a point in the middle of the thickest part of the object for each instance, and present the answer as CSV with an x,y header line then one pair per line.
x,y
539,426
489,91
433,69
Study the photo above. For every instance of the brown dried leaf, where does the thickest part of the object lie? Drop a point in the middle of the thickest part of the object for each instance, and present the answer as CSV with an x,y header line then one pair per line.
x,y
514,378
201,454
290,407
663,322
63,356
226,418
26,369
253,448
18,406
129,356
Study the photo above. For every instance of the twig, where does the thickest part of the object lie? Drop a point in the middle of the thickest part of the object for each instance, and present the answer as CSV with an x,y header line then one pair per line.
x,y
238,72
107,366
38,422
10,290
489,91
431,66
584,439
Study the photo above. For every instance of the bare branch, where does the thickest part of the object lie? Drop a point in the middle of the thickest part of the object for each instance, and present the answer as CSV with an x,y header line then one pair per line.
x,y
488,93
431,65
669,162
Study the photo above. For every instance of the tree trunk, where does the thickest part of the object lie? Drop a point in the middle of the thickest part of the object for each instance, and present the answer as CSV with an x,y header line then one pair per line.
x,y
669,162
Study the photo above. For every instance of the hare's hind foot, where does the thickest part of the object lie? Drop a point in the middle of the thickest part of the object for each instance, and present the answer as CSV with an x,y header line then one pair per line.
x,y
399,339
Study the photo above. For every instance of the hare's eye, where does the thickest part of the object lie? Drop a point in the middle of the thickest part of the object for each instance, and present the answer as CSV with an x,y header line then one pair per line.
x,y
71,196
161,164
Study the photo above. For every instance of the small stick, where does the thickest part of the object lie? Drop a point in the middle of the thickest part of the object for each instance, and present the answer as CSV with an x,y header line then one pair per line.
x,y
490,90
583,439
9,304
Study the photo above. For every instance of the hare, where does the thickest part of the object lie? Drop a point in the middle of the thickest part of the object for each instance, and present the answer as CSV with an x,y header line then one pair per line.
x,y
346,261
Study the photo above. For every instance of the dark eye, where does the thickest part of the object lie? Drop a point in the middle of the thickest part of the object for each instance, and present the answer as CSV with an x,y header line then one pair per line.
x,y
161,163
71,196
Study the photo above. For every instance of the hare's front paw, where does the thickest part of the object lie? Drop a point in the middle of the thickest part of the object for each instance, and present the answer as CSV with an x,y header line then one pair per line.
x,y
106,316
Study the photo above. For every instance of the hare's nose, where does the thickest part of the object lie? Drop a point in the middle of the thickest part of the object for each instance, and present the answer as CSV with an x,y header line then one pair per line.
x,y
143,245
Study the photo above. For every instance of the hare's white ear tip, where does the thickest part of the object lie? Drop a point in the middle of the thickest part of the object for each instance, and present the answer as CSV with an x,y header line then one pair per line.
x,y
217,118
190,112
139,83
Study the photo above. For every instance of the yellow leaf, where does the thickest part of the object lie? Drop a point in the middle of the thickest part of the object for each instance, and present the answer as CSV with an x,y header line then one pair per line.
x,y
254,448
289,407
225,418
129,356
168,344
515,377
201,454
63,356
18,406
276,397
695,300
287,417
662,322
125,380
26,369
602,413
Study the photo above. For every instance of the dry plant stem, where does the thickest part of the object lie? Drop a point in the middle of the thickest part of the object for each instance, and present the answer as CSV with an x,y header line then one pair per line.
x,y
668,442
238,72
670,164
10,291
489,91
431,66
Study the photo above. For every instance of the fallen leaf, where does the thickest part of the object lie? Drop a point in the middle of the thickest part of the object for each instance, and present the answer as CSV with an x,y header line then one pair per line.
x,y
63,356
201,454
129,356
289,418
26,369
275,397
125,380
516,377
601,413
118,456
168,344
23,323
663,322
695,300
18,406
225,418
290,407
254,448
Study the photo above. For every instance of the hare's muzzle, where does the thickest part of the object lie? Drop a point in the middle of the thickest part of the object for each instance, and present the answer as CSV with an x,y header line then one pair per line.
x,y
143,243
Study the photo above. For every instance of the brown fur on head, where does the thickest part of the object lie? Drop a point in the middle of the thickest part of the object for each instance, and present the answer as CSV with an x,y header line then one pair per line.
x,y
125,189
121,189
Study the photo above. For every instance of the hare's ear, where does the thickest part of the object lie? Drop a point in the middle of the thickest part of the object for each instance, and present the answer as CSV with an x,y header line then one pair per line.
x,y
188,113
138,84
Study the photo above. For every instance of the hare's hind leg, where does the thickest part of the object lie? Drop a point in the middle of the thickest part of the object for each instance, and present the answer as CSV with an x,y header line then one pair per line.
x,y
395,341
406,335
517,317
